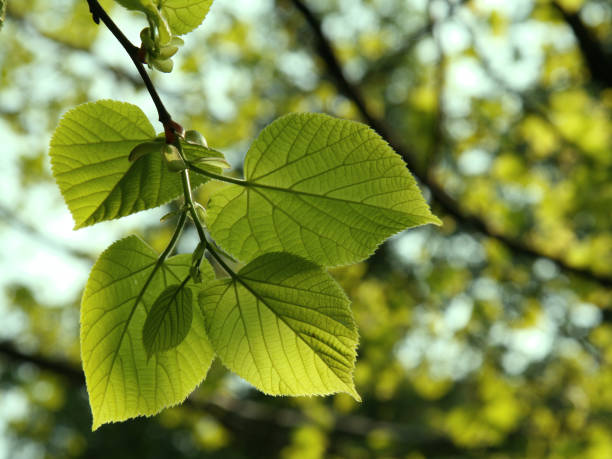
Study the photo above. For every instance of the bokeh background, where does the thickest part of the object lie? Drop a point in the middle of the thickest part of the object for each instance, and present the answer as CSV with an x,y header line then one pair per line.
x,y
488,337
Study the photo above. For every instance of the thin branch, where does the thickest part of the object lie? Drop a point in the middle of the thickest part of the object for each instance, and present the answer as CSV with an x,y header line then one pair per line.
x,y
446,202
438,137
98,13
388,62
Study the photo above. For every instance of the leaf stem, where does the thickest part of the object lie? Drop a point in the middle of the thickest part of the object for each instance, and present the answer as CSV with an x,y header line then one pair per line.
x,y
160,260
220,260
222,178
175,237
189,197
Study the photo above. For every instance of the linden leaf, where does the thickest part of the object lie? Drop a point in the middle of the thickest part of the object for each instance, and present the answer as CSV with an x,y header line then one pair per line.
x,y
89,155
325,189
284,325
121,381
169,320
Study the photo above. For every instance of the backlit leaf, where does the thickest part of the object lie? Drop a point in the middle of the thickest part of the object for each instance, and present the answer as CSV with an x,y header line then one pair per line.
x,y
181,15
169,320
326,189
122,383
185,15
284,325
89,155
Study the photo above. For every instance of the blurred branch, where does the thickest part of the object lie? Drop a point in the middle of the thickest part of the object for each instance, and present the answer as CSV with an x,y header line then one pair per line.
x,y
527,100
13,220
388,62
444,200
250,415
438,137
118,72
598,61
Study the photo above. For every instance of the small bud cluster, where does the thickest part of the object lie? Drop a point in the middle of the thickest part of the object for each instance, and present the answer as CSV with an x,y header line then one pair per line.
x,y
158,48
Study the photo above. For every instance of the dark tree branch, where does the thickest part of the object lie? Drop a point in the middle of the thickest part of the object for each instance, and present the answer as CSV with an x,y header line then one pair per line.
x,y
250,415
597,60
444,200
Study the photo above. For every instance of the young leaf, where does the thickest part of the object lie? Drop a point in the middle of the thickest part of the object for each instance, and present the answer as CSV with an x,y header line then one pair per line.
x,y
283,324
205,157
169,320
184,15
326,189
121,381
89,155
181,15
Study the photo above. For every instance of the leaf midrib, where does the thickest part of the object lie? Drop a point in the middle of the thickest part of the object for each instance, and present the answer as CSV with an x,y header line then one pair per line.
x,y
248,185
127,323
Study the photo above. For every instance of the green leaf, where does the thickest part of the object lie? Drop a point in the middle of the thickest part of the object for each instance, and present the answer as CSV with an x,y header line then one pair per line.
x,y
326,189
169,320
283,324
182,15
205,157
143,149
89,155
121,381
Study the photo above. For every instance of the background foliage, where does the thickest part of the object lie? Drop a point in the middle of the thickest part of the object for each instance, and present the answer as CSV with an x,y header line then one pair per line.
x,y
489,336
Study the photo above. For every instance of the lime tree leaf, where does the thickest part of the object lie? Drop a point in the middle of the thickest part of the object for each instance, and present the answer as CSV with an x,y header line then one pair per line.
x,y
169,320
326,189
181,15
122,383
89,156
184,15
284,325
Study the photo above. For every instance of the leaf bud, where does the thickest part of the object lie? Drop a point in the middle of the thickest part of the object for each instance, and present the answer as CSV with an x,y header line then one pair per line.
x,y
195,138
168,51
163,65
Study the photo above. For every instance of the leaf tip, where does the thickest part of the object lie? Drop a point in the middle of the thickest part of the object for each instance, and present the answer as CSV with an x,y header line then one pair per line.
x,y
353,393
95,425
435,220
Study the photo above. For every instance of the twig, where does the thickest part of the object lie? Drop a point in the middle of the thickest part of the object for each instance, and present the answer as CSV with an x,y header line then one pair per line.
x,y
98,14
